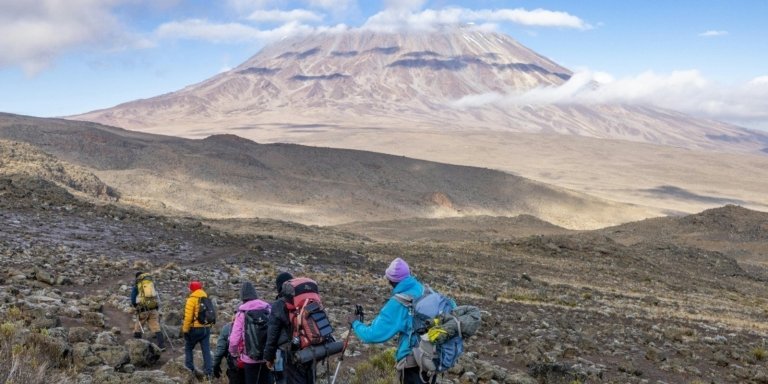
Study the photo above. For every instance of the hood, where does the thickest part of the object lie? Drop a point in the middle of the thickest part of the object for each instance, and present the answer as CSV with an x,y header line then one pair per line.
x,y
253,304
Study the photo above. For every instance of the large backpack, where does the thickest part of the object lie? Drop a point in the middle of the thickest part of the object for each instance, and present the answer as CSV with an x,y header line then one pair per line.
x,y
309,321
147,298
255,332
206,311
428,311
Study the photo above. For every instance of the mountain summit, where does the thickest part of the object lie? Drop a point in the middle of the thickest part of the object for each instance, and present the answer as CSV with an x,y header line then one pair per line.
x,y
376,80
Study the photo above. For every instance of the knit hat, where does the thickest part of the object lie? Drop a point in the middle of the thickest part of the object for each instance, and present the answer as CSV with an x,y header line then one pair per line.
x,y
195,285
397,271
281,279
248,292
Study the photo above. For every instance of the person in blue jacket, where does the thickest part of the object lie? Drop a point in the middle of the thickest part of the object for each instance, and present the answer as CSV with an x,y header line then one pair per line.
x,y
393,320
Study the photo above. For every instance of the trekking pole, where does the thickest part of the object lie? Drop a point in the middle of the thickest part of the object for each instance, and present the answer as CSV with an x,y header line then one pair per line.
x,y
138,320
162,328
341,358
359,313
165,333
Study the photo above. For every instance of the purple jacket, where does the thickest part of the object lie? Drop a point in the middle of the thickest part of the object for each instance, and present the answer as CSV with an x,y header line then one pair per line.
x,y
237,337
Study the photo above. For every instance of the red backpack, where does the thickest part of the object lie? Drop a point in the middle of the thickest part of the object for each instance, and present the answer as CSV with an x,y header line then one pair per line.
x,y
309,321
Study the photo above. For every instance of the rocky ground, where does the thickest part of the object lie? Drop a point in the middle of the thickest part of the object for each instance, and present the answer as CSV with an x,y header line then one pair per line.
x,y
559,307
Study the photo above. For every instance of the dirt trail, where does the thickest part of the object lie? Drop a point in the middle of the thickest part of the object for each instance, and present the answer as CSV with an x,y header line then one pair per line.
x,y
115,317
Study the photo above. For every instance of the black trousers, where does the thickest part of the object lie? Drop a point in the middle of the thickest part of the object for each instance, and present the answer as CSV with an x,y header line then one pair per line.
x,y
236,376
299,373
258,374
414,375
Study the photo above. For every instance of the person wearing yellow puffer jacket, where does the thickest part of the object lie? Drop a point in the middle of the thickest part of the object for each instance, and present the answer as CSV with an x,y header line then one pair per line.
x,y
195,332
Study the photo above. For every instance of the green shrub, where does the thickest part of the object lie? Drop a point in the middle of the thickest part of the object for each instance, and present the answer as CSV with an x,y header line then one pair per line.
x,y
759,353
378,369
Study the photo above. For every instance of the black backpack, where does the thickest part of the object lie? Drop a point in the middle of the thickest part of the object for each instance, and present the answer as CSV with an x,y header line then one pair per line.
x,y
255,332
206,313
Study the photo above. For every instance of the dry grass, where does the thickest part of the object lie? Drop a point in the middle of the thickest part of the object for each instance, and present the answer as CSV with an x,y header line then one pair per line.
x,y
32,358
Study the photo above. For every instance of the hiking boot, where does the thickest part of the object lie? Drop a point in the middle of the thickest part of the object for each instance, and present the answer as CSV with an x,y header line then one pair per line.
x,y
137,335
159,341
198,374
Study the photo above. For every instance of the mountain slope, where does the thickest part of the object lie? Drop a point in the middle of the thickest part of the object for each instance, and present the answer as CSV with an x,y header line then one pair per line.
x,y
25,163
228,176
387,81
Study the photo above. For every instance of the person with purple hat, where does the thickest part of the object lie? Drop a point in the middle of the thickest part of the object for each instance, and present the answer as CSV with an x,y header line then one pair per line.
x,y
393,320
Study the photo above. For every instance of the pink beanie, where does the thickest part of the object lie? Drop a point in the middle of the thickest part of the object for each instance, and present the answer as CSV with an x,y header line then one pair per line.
x,y
397,271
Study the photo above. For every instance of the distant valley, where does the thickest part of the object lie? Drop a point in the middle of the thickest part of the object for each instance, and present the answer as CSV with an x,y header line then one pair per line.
x,y
228,176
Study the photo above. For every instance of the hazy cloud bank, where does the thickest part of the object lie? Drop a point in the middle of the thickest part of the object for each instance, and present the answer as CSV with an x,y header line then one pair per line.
x,y
684,91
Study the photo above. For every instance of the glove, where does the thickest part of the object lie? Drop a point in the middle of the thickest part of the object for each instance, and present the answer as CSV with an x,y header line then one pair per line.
x,y
217,371
360,313
436,334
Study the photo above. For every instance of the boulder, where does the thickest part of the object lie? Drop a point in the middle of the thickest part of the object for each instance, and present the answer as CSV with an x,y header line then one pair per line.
x,y
44,276
142,353
519,378
95,319
114,356
150,377
106,338
468,378
83,356
106,375
79,335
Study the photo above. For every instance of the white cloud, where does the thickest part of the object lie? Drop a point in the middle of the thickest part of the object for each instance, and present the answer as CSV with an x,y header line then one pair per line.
x,y
198,29
407,5
276,15
246,6
334,5
759,81
536,17
397,18
250,5
713,33
685,91
34,33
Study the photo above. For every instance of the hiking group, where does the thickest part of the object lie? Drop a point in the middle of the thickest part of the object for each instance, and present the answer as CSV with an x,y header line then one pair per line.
x,y
282,341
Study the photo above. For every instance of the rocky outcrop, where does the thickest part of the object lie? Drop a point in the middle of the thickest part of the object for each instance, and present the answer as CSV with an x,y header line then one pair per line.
x,y
22,160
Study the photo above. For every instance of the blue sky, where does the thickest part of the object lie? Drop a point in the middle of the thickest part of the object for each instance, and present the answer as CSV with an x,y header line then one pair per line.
x,y
707,58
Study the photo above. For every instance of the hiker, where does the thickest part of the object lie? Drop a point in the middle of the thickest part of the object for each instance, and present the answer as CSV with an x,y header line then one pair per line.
x,y
245,341
393,320
196,332
146,306
234,374
280,354
279,335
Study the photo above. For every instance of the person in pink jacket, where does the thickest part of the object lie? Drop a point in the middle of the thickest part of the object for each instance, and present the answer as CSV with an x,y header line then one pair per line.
x,y
250,354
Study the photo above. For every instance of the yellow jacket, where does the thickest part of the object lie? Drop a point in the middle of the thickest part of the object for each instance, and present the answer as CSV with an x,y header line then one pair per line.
x,y
191,308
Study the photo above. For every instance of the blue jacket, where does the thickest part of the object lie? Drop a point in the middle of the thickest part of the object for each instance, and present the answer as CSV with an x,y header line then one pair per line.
x,y
134,295
393,319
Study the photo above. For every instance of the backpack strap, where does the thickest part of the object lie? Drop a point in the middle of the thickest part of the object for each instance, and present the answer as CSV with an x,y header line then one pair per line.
x,y
404,299
196,310
409,301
